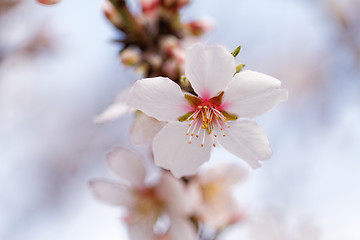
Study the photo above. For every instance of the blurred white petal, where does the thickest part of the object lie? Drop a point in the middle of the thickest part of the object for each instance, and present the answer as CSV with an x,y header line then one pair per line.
x,y
144,128
180,200
142,230
112,193
227,174
127,166
117,109
181,229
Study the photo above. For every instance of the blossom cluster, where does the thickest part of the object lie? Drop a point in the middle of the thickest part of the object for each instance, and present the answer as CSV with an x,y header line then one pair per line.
x,y
170,208
192,99
154,39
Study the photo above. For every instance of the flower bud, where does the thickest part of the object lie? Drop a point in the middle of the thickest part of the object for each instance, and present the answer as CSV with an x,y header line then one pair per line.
x,y
199,27
239,67
170,68
175,5
111,14
168,43
130,56
150,6
48,2
153,59
142,68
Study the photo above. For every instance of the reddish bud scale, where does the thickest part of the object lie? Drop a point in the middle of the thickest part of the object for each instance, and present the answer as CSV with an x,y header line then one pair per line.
x,y
48,2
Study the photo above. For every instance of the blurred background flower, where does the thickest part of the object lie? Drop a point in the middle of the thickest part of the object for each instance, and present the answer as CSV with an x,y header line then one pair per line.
x,y
59,68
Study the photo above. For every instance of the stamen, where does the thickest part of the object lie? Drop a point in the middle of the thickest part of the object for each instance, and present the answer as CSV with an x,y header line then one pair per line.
x,y
197,135
196,127
218,124
203,139
208,118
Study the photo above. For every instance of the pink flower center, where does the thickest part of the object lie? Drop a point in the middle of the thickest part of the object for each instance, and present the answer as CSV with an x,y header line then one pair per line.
x,y
208,116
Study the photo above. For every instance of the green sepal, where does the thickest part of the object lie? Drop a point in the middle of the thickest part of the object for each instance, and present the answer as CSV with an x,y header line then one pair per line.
x,y
184,117
217,99
193,100
236,52
229,116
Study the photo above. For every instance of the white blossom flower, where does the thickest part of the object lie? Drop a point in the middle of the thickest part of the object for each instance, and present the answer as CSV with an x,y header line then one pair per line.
x,y
215,115
218,208
146,203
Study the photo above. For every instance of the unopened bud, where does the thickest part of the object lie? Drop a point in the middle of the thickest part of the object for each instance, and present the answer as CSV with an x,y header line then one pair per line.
x,y
142,68
239,67
153,59
170,68
168,43
199,27
184,82
175,4
111,14
150,6
130,56
48,2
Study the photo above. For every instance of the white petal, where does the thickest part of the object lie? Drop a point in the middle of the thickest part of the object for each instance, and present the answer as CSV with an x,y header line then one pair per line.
x,y
220,211
117,109
172,150
225,174
248,141
179,200
112,193
141,230
181,229
158,97
250,94
114,111
144,128
127,166
209,69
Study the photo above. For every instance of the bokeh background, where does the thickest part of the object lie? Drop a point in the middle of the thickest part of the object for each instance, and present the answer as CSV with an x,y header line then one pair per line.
x,y
59,68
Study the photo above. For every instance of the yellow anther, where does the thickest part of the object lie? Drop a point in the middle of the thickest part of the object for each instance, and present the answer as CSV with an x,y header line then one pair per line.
x,y
189,142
